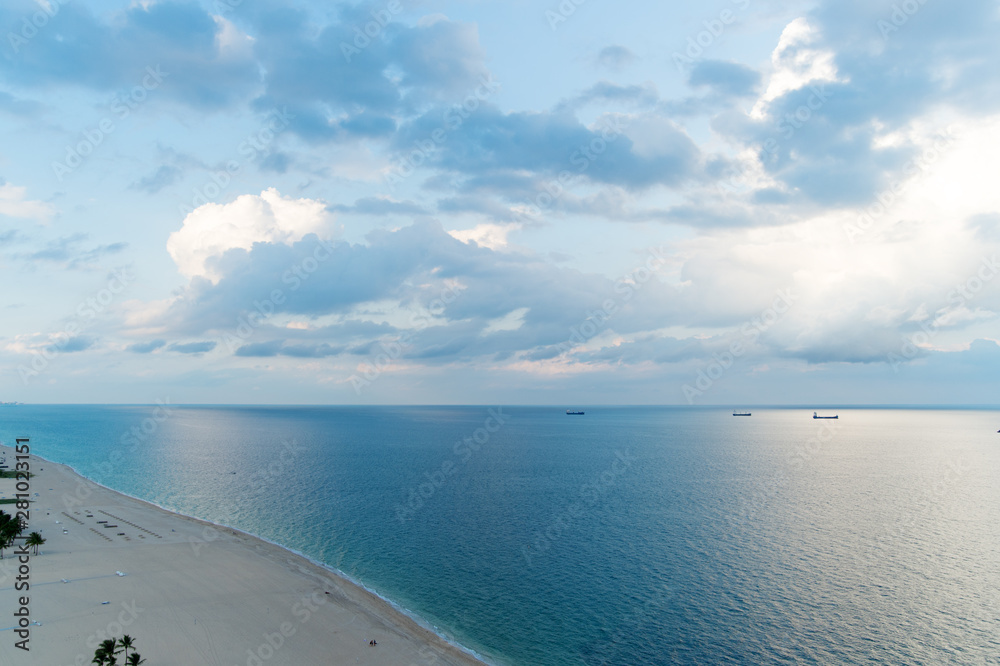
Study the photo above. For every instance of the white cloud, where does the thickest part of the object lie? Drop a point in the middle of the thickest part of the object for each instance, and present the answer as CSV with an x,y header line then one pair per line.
x,y
231,42
903,266
511,321
493,236
212,229
14,204
795,64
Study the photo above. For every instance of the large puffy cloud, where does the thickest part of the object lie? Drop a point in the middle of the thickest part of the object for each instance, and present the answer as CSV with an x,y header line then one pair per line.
x,y
454,299
856,292
212,229
857,90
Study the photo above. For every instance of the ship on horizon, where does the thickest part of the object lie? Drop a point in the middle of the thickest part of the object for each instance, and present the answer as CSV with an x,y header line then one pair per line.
x,y
816,416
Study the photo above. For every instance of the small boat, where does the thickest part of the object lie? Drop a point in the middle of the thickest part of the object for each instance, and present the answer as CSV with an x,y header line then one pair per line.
x,y
572,412
741,413
816,416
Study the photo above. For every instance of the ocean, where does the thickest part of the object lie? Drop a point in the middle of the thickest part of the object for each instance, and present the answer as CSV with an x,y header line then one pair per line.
x,y
629,535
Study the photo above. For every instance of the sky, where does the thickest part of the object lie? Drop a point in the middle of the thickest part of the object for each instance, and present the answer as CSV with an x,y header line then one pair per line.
x,y
736,202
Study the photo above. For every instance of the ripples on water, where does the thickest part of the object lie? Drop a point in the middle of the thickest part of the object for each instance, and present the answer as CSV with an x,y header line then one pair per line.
x,y
712,539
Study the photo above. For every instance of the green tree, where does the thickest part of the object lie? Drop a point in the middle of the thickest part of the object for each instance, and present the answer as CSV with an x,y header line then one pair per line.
x,y
10,529
106,653
35,539
134,659
128,643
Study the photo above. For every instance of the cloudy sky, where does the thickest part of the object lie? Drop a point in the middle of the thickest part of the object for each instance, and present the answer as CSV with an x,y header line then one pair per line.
x,y
468,201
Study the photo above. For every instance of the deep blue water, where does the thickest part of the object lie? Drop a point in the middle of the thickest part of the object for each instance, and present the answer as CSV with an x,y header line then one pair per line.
x,y
625,536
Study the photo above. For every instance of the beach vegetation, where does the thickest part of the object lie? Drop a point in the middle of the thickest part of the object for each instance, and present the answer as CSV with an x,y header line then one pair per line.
x,y
10,529
14,474
35,539
107,652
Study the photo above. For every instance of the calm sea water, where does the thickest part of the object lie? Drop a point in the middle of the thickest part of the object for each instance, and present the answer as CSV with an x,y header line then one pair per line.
x,y
625,536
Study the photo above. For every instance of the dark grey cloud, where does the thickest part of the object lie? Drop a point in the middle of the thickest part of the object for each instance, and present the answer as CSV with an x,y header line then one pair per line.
x,y
491,142
337,90
192,347
164,176
18,107
611,93
320,350
114,52
378,206
260,349
77,344
614,57
69,253
276,162
281,347
146,347
729,79
11,236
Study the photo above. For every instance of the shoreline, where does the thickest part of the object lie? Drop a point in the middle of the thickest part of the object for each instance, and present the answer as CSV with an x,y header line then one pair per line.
x,y
403,636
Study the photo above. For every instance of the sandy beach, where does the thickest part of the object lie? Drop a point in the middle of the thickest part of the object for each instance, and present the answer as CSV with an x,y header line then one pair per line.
x,y
191,594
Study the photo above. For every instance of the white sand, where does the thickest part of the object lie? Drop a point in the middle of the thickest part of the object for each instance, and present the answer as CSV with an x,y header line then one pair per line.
x,y
194,595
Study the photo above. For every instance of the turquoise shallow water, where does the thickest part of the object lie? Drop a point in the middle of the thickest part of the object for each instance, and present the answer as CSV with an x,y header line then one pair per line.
x,y
625,536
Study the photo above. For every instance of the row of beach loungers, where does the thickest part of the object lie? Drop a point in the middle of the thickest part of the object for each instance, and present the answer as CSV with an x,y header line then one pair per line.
x,y
108,525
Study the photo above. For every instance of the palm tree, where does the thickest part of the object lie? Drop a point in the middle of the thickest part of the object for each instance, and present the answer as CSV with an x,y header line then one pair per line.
x,y
10,529
34,539
128,643
135,660
6,539
105,653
